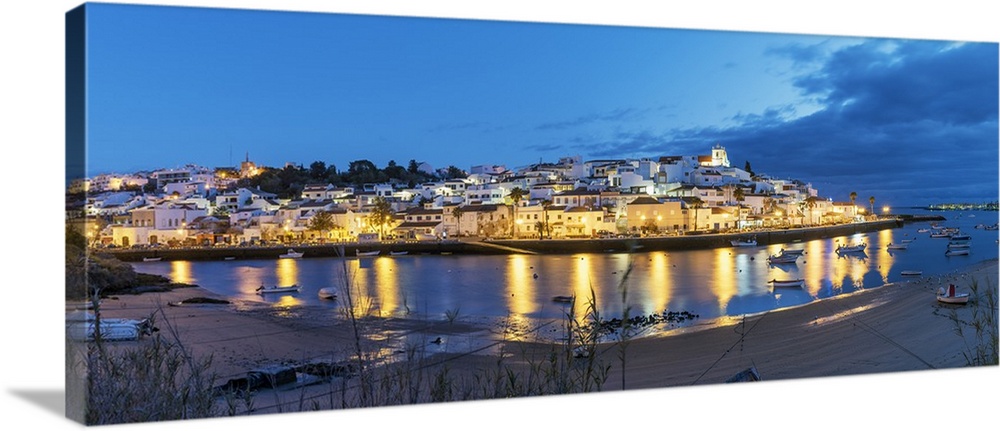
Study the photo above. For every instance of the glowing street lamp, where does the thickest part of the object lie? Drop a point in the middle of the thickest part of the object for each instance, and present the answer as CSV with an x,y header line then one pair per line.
x,y
885,209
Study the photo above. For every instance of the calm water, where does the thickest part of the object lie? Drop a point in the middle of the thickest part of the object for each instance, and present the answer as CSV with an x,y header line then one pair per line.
x,y
711,283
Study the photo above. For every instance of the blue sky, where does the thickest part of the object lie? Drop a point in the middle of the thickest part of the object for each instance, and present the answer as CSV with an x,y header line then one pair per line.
x,y
906,121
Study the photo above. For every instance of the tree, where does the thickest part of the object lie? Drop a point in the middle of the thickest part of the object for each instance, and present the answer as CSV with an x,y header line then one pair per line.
x,y
322,222
413,167
381,213
696,203
516,194
455,172
854,197
738,195
871,201
746,167
810,204
458,212
317,170
546,205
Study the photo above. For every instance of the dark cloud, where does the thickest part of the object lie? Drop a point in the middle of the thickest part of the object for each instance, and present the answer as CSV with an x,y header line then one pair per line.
x,y
912,122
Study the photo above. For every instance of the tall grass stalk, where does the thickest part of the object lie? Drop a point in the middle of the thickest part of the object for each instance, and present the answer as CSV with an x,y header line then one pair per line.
x,y
984,324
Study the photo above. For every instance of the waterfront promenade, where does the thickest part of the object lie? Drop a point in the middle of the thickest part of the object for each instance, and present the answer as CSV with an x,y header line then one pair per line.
x,y
508,246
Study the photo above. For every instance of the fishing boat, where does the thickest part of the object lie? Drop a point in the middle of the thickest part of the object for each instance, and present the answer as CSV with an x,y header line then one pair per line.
x,y
787,283
278,289
949,296
958,245
797,252
746,242
892,246
857,248
940,234
782,258
292,254
151,259
372,253
961,237
910,273
957,252
328,293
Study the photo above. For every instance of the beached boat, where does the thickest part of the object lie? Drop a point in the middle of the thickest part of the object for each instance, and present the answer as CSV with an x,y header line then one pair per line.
x,y
292,254
328,293
746,242
782,258
398,253
950,296
892,246
151,259
278,289
910,273
957,252
787,283
366,253
562,298
857,248
83,328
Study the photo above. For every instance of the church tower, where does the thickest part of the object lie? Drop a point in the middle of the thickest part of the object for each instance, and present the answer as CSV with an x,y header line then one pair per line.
x,y
719,156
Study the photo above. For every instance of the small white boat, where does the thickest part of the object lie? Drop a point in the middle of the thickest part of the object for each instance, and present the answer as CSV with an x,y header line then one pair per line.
x,y
787,283
292,254
366,253
278,289
910,273
949,296
798,252
958,245
924,230
892,246
151,259
957,252
229,258
328,293
398,253
750,242
961,238
782,258
858,248
940,235
907,241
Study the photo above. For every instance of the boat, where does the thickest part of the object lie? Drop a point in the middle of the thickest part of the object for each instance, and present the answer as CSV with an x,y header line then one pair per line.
x,y
924,230
366,253
857,248
798,252
398,253
782,258
292,254
84,328
151,259
957,252
907,241
229,258
892,246
747,242
278,289
328,293
940,234
961,237
562,298
911,273
787,283
958,245
949,296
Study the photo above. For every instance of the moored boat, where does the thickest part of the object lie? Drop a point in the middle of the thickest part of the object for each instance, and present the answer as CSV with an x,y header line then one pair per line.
x,y
857,248
372,253
957,252
782,258
562,298
398,253
961,238
292,254
151,259
796,252
278,289
328,293
746,242
910,273
892,246
787,283
958,245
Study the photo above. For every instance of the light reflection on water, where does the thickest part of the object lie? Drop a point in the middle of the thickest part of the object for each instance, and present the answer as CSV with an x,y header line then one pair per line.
x,y
711,283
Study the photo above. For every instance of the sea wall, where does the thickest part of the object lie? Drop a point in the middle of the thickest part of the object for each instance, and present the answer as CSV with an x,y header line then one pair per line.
x,y
554,246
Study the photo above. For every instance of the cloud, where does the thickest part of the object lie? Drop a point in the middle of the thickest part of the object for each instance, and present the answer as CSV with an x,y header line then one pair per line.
x,y
620,114
909,121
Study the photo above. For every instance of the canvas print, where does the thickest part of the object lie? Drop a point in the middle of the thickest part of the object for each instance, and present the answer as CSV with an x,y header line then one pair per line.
x,y
278,212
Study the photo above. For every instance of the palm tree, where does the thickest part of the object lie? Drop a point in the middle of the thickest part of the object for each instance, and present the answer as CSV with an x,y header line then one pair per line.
x,y
516,194
546,204
381,213
739,195
871,201
810,204
458,212
854,197
696,203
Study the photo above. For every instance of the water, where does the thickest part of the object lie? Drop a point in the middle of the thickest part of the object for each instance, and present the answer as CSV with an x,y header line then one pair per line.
x,y
710,283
